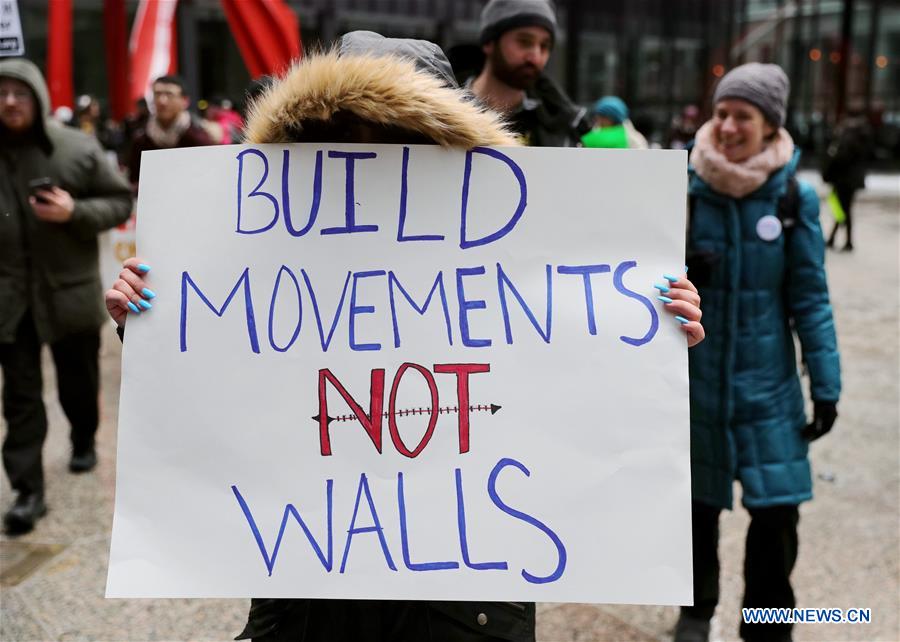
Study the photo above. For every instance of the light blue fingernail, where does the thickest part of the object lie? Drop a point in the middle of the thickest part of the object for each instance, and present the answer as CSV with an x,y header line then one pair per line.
x,y
144,304
147,292
661,287
682,320
664,299
685,269
143,267
670,278
133,307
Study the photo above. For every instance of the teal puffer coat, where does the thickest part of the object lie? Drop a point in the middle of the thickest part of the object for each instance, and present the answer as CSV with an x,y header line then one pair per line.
x,y
747,407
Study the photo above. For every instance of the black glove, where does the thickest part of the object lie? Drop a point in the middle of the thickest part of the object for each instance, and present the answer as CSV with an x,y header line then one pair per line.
x,y
824,414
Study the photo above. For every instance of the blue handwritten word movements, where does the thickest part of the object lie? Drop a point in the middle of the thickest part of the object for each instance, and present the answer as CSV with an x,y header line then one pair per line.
x,y
365,512
360,289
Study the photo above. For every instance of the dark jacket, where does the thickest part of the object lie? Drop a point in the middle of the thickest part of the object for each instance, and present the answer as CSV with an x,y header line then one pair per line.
x,y
747,407
847,155
402,91
280,620
53,268
547,118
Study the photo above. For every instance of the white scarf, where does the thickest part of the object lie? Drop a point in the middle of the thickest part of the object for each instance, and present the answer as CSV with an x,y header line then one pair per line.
x,y
168,137
738,179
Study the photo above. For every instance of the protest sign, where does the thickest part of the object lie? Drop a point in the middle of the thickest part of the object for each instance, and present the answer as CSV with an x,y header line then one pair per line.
x,y
406,373
11,41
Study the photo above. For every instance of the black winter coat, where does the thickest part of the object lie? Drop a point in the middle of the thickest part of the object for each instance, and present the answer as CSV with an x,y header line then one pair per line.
x,y
276,620
848,154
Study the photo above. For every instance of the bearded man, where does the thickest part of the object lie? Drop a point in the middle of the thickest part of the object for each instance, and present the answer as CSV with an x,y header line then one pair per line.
x,y
517,37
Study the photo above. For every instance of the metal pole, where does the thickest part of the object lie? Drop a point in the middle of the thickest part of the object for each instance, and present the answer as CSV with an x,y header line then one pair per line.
x,y
798,62
730,19
627,67
777,58
188,67
446,27
815,70
874,21
327,25
668,14
843,66
574,20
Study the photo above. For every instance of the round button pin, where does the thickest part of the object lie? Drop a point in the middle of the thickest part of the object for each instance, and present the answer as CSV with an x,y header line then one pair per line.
x,y
768,228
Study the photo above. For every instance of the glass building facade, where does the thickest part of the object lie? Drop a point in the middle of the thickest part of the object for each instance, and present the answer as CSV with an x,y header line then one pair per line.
x,y
658,55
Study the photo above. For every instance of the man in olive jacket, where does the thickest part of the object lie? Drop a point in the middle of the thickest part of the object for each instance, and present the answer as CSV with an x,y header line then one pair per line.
x,y
57,192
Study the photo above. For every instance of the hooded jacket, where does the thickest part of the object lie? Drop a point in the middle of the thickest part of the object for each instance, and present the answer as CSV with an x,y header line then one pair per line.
x,y
378,90
747,407
52,269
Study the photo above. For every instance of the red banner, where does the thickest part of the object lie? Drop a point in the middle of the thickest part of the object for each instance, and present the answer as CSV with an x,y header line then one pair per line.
x,y
267,33
152,47
59,54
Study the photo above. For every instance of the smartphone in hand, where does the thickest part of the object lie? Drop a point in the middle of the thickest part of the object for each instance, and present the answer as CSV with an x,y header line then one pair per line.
x,y
37,186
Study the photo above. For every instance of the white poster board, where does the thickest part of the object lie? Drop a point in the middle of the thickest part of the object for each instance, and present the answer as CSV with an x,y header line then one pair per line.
x,y
12,43
406,373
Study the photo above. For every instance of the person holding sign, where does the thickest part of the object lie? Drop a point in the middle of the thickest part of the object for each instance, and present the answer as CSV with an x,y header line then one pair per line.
x,y
379,90
757,254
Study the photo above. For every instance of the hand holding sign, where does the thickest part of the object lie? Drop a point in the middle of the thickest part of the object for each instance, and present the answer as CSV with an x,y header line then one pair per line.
x,y
129,292
681,298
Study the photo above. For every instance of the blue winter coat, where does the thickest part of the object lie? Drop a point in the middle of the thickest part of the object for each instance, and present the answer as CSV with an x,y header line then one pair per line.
x,y
747,407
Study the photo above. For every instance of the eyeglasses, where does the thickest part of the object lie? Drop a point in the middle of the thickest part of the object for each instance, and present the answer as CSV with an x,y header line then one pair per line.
x,y
164,94
18,95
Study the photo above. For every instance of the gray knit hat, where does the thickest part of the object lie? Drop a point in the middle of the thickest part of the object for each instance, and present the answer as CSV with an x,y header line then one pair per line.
x,y
766,86
499,16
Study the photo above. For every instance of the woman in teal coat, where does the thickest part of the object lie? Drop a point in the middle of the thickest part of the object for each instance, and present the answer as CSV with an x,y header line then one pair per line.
x,y
756,253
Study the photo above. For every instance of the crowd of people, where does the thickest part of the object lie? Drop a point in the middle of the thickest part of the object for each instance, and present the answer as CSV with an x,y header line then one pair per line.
x,y
755,265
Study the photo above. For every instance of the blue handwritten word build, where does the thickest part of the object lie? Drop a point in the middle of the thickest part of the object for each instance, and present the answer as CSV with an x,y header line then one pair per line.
x,y
281,207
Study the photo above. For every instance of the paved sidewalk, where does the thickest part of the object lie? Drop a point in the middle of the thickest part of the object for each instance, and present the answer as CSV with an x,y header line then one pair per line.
x,y
53,579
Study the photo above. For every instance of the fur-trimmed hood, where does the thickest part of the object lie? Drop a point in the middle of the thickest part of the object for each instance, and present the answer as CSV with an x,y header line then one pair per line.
x,y
383,89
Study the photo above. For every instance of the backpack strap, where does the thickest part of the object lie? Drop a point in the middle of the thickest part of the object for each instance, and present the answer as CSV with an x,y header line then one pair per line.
x,y
789,205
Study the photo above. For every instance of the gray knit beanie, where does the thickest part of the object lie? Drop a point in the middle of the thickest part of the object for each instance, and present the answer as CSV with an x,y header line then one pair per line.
x,y
765,86
499,16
